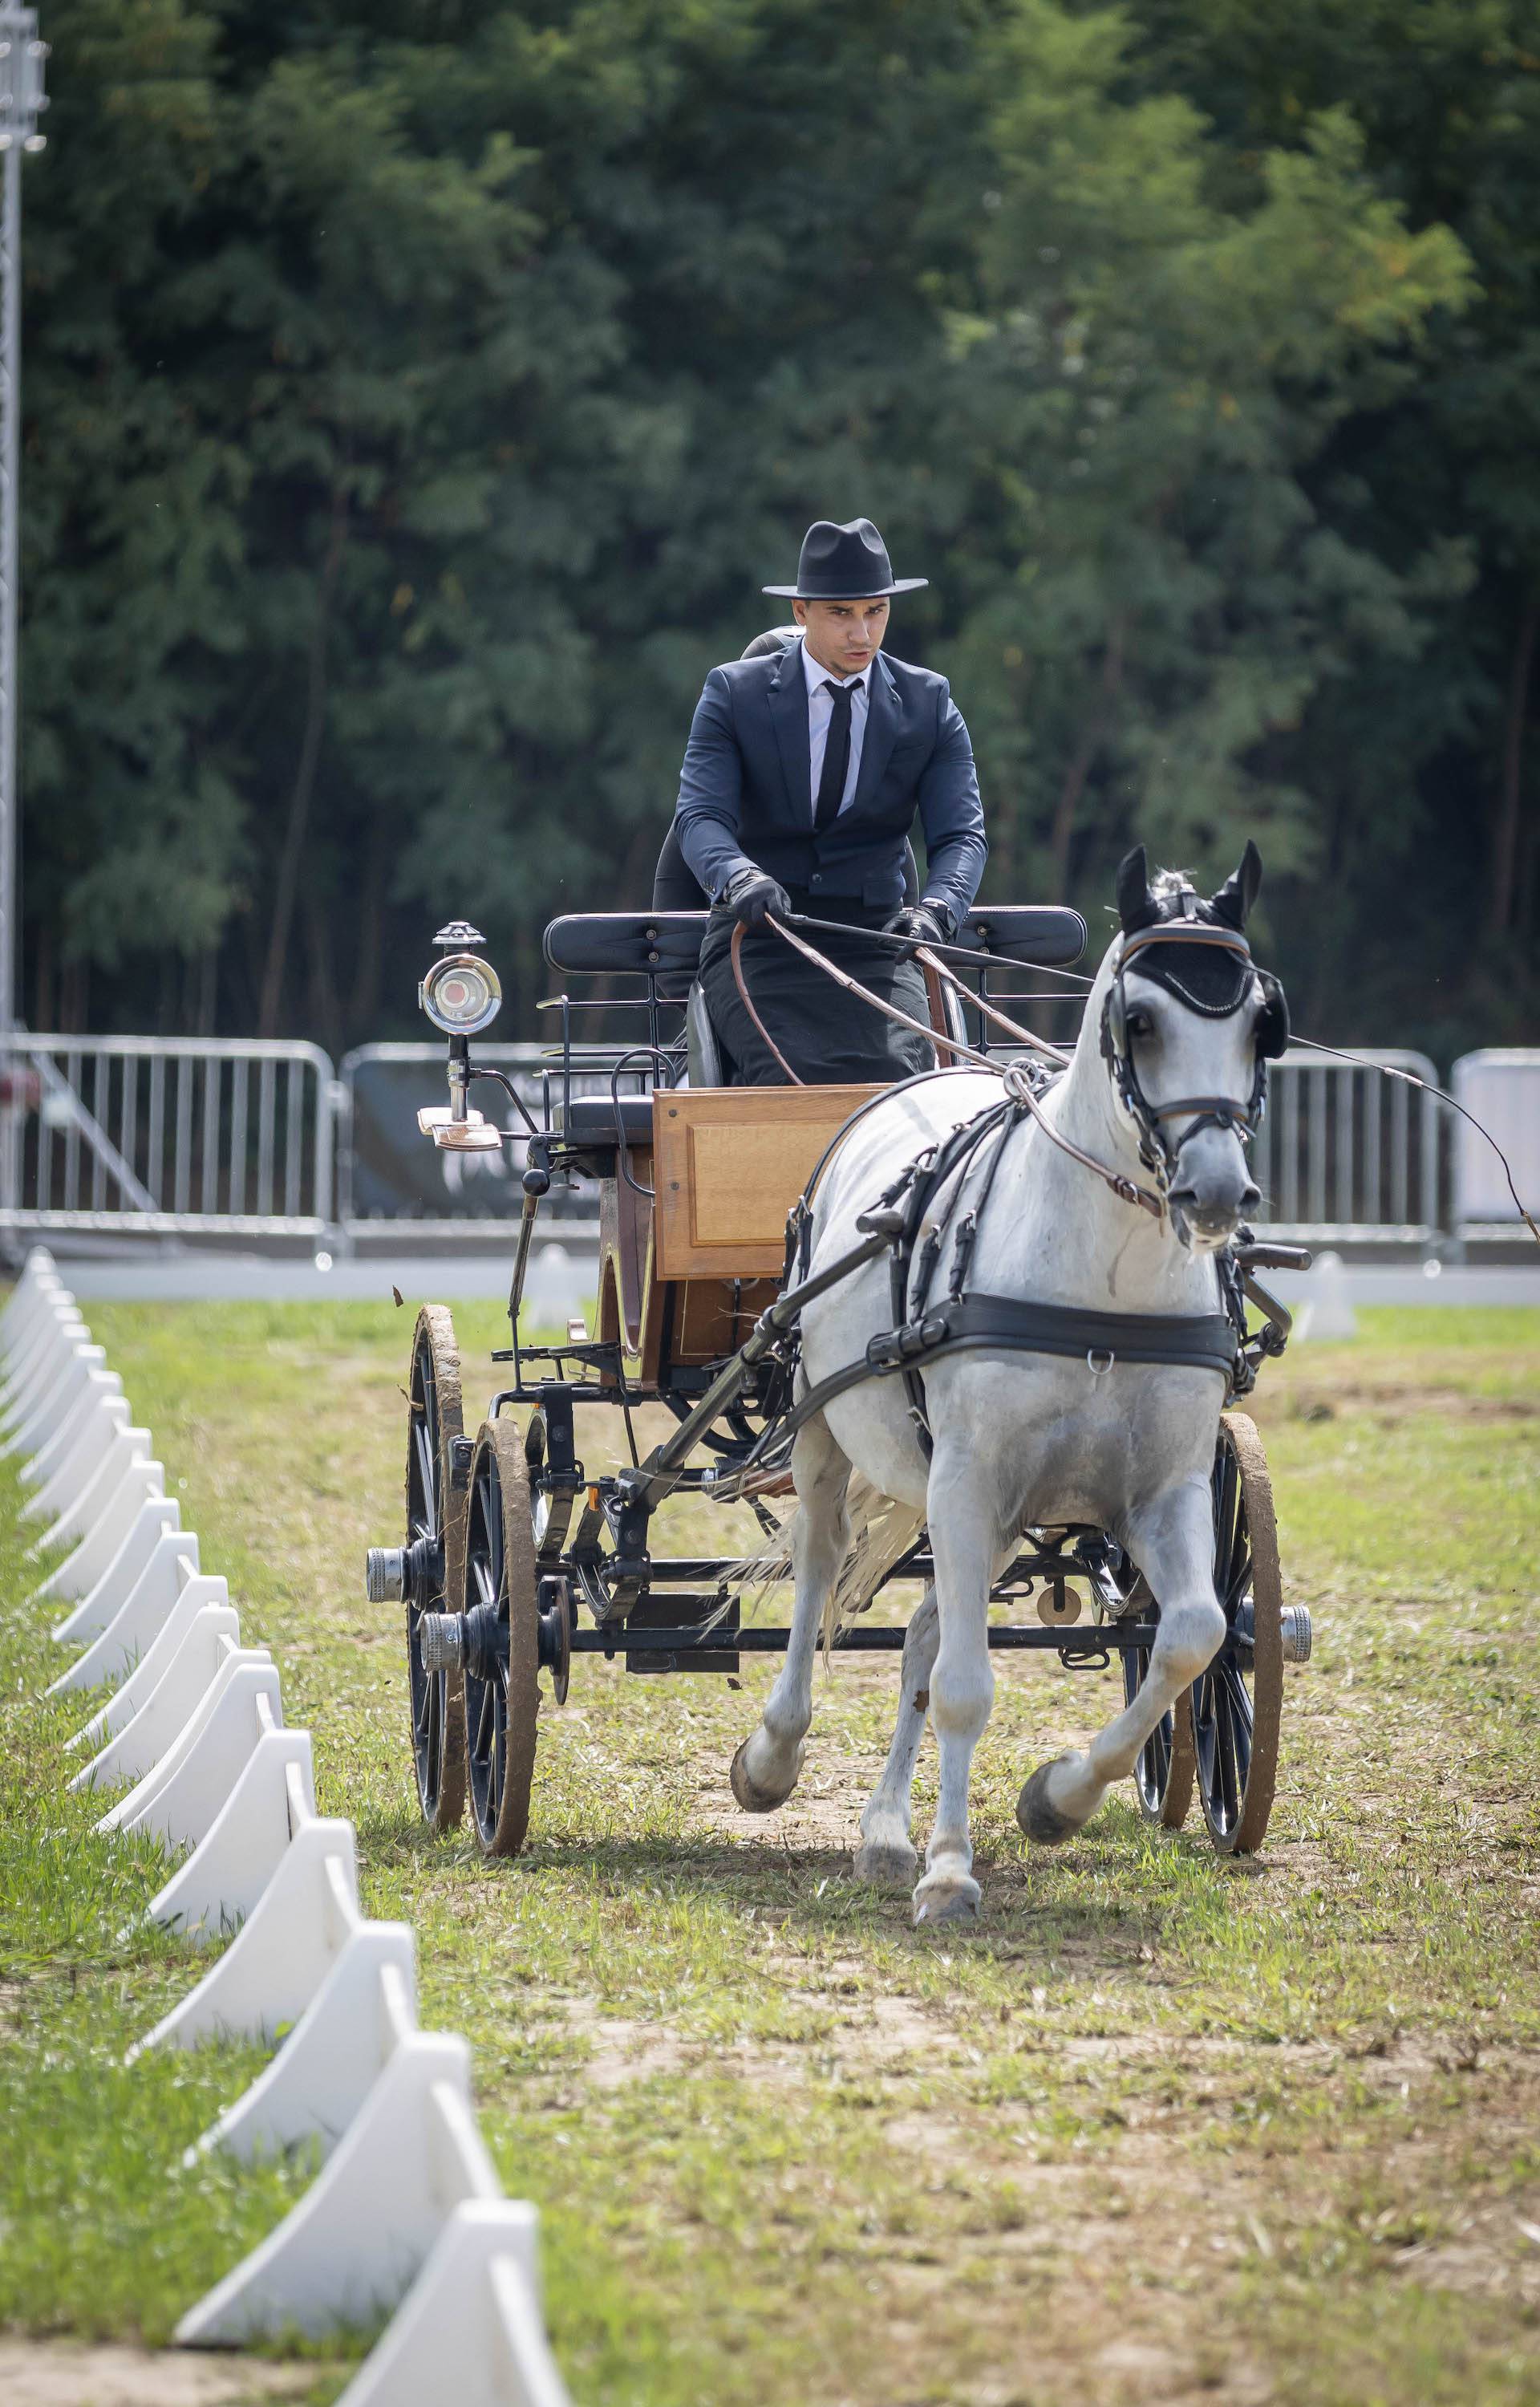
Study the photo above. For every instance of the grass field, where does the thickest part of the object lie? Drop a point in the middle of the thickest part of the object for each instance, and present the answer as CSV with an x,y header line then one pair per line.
x,y
1160,2129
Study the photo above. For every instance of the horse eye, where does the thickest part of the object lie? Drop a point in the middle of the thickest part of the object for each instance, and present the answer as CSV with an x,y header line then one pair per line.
x,y
1140,1023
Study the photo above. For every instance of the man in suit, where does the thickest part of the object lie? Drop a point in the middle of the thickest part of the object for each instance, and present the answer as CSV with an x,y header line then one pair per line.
x,y
805,771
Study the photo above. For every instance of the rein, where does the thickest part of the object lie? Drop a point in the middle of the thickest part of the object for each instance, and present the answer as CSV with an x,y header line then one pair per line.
x,y
1184,930
1016,1085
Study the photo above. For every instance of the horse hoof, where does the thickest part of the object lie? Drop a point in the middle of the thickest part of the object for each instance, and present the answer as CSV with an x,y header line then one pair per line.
x,y
1042,1821
885,1866
947,1897
750,1796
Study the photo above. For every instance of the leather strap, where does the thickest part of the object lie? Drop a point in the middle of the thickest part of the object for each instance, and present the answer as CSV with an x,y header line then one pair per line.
x,y
1015,1084
1004,1324
736,949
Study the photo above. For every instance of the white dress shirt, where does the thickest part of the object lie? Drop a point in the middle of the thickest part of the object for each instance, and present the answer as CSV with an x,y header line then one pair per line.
x,y
819,710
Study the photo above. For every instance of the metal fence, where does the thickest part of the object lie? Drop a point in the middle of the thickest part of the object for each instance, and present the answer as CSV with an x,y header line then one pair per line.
x,y
166,1134
174,1136
386,1170
1346,1152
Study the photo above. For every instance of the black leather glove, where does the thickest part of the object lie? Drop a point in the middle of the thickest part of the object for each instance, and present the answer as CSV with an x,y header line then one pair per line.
x,y
750,893
927,924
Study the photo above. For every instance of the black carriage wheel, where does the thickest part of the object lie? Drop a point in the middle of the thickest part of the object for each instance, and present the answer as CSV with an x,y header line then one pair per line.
x,y
1162,1774
502,1701
435,1514
1236,1702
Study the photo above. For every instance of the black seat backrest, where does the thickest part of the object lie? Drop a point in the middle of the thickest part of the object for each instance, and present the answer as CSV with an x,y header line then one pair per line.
x,y
588,944
1044,933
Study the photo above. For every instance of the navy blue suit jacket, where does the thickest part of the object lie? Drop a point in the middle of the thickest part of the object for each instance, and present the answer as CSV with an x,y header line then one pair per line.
x,y
745,794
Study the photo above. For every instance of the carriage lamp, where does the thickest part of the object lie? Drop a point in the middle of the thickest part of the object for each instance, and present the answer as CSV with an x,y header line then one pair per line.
x,y
460,994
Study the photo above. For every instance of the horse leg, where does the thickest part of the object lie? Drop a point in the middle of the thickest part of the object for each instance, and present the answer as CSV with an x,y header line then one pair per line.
x,y
1172,1542
885,1856
766,1767
964,1550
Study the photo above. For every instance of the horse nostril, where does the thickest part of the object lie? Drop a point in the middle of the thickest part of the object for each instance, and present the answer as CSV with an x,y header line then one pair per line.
x,y
1251,1198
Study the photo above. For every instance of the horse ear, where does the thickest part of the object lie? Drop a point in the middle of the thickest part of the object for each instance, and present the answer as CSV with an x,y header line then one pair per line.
x,y
1135,904
1234,900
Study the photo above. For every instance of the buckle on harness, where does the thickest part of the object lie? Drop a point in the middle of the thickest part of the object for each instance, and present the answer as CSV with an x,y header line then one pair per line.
x,y
1099,1360
893,1348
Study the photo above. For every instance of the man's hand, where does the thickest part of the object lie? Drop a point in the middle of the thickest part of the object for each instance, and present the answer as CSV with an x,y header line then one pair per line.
x,y
749,894
925,923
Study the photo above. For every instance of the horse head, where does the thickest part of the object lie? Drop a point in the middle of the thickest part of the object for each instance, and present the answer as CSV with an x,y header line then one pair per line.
x,y
1188,1026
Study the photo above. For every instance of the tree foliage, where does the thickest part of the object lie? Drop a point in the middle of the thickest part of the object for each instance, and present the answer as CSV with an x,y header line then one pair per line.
x,y
417,395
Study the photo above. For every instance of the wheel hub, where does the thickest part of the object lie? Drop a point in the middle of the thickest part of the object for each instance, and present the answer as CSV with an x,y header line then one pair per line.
x,y
405,1575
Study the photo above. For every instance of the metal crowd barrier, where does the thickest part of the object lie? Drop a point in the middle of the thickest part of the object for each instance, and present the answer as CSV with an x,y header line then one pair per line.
x,y
178,1136
1348,1154
166,1135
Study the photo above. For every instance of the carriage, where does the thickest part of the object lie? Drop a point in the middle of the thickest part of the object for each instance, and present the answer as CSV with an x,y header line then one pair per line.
x,y
517,1559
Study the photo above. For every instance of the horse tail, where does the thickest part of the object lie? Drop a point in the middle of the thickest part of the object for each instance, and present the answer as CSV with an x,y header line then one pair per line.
x,y
878,1534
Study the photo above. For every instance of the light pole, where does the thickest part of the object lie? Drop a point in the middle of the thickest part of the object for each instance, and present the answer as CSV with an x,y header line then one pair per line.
x,y
22,101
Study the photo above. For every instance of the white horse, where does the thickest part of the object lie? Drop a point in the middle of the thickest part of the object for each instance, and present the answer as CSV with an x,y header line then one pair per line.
x,y
1025,1440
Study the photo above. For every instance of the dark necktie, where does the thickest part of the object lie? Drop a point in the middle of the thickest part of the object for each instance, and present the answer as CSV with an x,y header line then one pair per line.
x,y
831,784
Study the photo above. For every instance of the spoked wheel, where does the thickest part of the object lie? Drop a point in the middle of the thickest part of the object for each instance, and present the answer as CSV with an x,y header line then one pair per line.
x,y
503,1655
1237,1701
1163,1775
435,1536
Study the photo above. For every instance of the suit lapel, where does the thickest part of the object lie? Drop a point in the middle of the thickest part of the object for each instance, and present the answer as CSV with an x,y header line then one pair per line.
x,y
788,709
884,715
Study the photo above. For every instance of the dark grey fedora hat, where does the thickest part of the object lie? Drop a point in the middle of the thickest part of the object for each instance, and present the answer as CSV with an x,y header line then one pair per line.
x,y
844,563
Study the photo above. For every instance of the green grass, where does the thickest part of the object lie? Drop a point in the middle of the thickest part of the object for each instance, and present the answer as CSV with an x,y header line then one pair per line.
x,y
1161,2126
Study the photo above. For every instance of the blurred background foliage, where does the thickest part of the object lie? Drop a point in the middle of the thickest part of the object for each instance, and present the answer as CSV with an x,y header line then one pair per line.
x,y
418,392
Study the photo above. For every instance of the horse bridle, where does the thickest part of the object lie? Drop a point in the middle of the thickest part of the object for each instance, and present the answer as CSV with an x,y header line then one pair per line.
x,y
1157,1153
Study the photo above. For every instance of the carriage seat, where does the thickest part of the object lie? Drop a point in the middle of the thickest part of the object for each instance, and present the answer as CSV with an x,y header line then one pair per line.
x,y
590,1120
666,946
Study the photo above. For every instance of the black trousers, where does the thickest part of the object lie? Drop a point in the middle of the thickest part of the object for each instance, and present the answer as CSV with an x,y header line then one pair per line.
x,y
829,1037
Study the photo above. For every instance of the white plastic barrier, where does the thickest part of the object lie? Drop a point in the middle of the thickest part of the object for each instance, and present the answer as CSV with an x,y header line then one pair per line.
x,y
471,2327
155,1517
200,1631
77,1445
38,1275
136,1483
282,1952
80,1505
153,1577
40,1363
407,2211
49,1393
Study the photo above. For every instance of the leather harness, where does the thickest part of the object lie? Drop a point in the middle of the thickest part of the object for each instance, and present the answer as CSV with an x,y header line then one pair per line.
x,y
971,1321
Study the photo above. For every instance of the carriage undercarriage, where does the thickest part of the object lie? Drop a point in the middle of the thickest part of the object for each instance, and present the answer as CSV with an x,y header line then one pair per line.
x,y
516,1561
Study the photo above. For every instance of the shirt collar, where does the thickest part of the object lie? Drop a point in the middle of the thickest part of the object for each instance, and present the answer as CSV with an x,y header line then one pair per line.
x,y
815,673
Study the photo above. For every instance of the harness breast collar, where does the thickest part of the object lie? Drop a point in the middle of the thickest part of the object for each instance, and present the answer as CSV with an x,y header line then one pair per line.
x,y
973,1322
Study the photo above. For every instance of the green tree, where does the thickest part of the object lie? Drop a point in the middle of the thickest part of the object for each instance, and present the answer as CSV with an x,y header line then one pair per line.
x,y
416,398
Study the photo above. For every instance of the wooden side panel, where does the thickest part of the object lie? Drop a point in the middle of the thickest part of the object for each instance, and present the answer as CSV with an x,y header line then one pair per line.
x,y
625,1238
731,1163
714,1317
